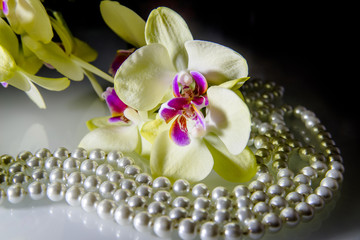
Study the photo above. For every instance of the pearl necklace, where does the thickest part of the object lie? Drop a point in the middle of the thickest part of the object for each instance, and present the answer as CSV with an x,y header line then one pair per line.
x,y
300,169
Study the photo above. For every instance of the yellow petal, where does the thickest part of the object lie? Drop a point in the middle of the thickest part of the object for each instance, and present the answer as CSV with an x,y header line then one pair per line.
x,y
124,22
234,168
192,162
7,65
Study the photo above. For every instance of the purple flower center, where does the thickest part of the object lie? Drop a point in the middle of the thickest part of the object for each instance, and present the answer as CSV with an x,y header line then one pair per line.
x,y
4,6
189,90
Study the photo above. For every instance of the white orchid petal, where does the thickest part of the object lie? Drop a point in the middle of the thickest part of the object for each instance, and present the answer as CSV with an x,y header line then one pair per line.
x,y
192,162
124,22
216,62
229,118
167,27
122,138
144,78
34,94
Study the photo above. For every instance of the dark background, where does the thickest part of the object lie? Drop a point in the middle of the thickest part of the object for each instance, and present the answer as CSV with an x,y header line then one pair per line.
x,y
309,48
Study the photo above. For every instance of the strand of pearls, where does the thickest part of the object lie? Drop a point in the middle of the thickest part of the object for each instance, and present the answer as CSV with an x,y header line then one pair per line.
x,y
300,169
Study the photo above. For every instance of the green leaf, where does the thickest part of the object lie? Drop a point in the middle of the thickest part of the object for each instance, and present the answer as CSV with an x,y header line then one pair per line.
x,y
124,22
234,168
144,78
7,65
216,62
109,138
168,28
229,118
192,162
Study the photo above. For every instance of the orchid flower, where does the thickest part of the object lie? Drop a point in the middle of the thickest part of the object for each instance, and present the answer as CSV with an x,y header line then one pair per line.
x,y
18,67
70,57
28,17
119,131
210,126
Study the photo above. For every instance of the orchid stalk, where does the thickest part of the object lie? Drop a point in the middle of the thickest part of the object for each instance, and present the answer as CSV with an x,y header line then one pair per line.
x,y
201,123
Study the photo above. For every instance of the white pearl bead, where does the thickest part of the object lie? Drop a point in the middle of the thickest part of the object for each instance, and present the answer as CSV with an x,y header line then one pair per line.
x,y
324,192
103,170
43,153
56,191
73,195
223,203
142,221
261,208
181,201
255,228
89,201
304,189
123,214
136,201
163,226
79,153
155,208
315,201
61,153
278,202
209,231
121,195
37,190
40,175
275,190
113,157
97,155
128,184
162,196
177,213
115,177
71,164
131,171
199,215
181,187
58,175
221,216
143,178
244,214
290,216
92,183
335,174
107,189
202,203
244,201
187,229
305,210
219,192
15,193
144,191
76,178
105,209
52,163
88,166
259,196
232,231
161,183
330,183
200,190
125,161
272,221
